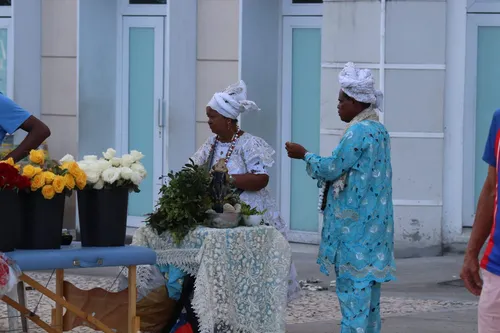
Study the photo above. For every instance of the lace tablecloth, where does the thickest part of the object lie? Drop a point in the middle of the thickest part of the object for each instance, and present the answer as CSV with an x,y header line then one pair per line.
x,y
241,275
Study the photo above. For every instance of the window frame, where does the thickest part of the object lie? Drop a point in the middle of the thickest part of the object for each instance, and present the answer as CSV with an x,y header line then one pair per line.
x,y
125,8
6,11
6,23
309,9
483,6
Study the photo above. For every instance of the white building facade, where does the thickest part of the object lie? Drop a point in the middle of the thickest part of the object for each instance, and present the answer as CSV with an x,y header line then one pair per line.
x,y
436,63
136,74
315,39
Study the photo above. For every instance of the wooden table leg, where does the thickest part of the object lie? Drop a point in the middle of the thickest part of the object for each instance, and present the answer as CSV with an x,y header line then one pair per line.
x,y
21,295
58,320
12,314
69,307
133,320
30,315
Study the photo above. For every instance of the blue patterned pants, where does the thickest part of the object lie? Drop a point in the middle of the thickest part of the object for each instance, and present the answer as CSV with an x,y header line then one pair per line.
x,y
360,306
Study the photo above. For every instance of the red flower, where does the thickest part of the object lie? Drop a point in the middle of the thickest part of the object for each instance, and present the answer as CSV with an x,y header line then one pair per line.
x,y
7,170
4,274
23,182
10,178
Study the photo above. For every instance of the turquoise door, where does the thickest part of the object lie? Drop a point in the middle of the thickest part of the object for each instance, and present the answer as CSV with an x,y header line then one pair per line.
x,y
487,96
143,126
301,121
481,101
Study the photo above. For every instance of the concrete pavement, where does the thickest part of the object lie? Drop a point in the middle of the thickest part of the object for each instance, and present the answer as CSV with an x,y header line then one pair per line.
x,y
422,282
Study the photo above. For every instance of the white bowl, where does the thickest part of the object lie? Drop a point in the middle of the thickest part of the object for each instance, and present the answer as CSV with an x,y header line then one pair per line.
x,y
252,220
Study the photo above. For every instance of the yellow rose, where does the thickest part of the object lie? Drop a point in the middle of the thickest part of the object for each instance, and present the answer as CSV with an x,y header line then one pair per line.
x,y
9,161
18,167
37,182
69,181
58,184
29,171
81,180
49,177
48,192
73,168
38,170
37,156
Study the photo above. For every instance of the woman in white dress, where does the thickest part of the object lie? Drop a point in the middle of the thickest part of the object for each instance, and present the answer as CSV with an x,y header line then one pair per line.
x,y
248,158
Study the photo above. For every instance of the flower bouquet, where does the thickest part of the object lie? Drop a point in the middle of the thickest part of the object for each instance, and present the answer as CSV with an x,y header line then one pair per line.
x,y
43,205
103,202
11,182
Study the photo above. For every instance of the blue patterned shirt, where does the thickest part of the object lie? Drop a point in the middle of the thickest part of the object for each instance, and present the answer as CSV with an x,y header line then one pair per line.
x,y
358,228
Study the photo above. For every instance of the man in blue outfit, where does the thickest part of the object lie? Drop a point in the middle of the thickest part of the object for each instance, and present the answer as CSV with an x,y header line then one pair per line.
x,y
357,242
14,117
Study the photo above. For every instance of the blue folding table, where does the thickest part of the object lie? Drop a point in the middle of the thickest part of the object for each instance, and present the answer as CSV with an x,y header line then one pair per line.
x,y
96,308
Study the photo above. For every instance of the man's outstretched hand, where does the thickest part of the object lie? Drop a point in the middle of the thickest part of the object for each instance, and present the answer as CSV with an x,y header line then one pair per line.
x,y
470,275
295,150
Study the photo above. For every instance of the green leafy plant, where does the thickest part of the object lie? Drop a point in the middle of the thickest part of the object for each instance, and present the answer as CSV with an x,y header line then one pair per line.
x,y
183,202
246,210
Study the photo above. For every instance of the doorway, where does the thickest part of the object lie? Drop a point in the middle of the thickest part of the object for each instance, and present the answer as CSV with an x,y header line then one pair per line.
x,y
143,103
300,122
482,99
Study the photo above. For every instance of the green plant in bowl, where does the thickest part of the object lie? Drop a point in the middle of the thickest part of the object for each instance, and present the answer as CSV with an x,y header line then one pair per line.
x,y
251,216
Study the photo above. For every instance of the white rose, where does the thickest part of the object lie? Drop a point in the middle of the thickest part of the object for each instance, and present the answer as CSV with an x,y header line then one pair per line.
x,y
88,166
126,173
103,164
127,160
137,155
109,154
111,175
92,177
99,185
116,161
90,158
136,178
138,167
67,158
83,164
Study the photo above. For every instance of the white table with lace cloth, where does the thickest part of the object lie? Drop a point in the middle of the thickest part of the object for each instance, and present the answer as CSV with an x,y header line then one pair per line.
x,y
241,275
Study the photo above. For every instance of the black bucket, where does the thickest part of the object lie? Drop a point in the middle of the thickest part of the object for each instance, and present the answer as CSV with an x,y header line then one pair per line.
x,y
10,222
103,217
41,221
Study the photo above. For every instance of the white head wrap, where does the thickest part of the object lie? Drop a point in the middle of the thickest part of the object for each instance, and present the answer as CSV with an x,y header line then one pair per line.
x,y
232,101
360,85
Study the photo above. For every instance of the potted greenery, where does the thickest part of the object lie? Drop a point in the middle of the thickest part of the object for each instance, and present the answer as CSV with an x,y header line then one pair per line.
x,y
251,216
195,197
183,202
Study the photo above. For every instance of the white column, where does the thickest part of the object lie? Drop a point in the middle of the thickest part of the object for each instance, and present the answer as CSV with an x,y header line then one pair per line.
x,y
181,62
27,54
259,67
456,27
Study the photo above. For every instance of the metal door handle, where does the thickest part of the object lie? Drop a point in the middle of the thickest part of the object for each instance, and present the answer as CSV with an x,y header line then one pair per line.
x,y
160,113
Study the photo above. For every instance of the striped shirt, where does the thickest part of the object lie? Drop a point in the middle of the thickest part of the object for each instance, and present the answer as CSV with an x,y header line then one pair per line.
x,y
491,258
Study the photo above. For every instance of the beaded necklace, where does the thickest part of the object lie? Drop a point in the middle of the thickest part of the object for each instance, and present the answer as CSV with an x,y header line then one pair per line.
x,y
235,138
